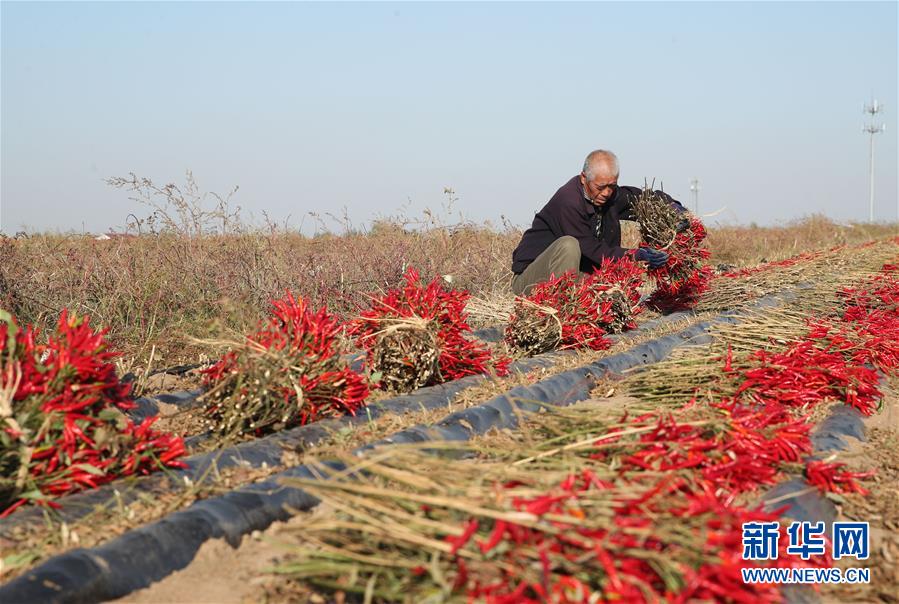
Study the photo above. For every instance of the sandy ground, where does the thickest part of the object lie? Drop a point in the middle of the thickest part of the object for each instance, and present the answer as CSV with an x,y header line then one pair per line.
x,y
880,508
221,574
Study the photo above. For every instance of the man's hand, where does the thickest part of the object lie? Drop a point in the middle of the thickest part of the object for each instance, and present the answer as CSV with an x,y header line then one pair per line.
x,y
654,258
683,225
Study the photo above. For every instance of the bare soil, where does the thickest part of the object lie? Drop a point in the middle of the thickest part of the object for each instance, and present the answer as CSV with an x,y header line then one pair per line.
x,y
159,383
880,452
221,574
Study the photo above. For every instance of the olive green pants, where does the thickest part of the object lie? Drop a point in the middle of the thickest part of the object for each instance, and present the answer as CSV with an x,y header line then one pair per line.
x,y
562,255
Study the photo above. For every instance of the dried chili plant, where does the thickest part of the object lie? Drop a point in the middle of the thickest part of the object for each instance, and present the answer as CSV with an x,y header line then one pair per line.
x,y
407,354
62,422
533,328
567,529
292,371
577,311
435,325
684,276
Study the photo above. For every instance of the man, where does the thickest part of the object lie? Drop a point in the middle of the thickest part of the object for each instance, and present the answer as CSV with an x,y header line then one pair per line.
x,y
579,227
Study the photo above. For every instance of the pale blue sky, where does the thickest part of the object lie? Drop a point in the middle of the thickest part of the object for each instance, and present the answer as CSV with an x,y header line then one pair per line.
x,y
313,107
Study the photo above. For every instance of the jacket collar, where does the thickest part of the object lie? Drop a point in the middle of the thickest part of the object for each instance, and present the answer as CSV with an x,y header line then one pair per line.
x,y
588,205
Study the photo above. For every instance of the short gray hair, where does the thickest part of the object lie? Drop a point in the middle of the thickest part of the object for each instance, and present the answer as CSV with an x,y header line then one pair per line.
x,y
599,154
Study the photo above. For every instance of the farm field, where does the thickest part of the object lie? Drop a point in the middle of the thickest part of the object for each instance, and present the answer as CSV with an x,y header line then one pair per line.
x,y
261,340
618,463
158,294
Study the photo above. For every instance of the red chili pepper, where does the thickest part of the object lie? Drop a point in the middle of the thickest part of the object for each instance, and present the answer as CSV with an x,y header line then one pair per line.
x,y
459,542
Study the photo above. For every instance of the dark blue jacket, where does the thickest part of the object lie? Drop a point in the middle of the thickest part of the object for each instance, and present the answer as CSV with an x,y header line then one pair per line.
x,y
597,229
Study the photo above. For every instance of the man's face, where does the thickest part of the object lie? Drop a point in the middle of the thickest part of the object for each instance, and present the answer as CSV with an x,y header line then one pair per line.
x,y
602,187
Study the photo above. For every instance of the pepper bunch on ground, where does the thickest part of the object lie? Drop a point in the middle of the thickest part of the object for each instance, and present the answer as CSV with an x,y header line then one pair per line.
x,y
684,276
577,311
418,335
62,416
293,370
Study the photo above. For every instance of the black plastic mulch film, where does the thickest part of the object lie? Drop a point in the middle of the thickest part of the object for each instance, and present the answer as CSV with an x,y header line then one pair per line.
x,y
151,552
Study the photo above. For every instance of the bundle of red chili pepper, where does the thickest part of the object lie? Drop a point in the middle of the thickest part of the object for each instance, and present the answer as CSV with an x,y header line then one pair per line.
x,y
805,375
62,426
577,311
290,372
670,531
458,355
684,277
872,314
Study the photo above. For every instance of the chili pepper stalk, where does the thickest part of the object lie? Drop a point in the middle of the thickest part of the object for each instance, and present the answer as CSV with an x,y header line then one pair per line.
x,y
530,535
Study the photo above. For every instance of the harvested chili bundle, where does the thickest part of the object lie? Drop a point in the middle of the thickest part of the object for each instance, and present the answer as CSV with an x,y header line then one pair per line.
x,y
733,449
577,311
684,277
881,292
625,278
407,354
873,315
567,558
289,373
62,426
863,338
533,328
656,219
435,323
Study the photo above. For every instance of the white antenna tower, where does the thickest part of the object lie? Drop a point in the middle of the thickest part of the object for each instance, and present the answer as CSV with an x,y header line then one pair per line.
x,y
872,128
694,188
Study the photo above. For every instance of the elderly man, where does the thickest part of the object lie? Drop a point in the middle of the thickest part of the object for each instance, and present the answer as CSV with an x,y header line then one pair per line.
x,y
580,226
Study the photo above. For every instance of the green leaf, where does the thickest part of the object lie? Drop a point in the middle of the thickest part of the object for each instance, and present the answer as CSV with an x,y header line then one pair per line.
x,y
89,469
16,560
34,495
110,414
11,330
